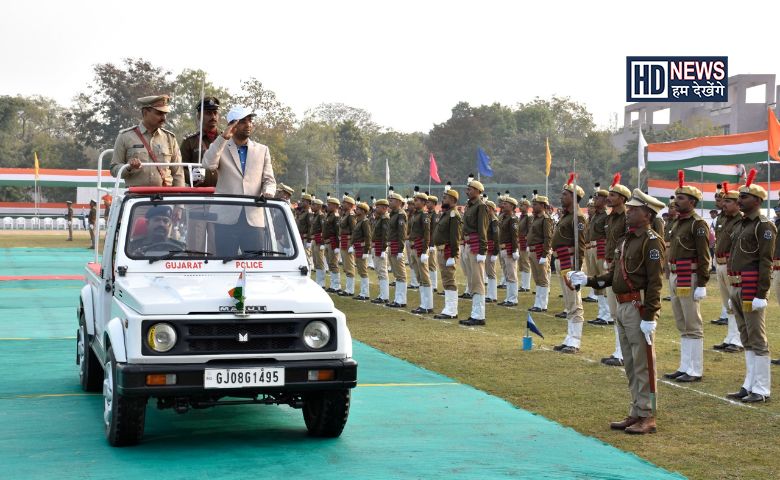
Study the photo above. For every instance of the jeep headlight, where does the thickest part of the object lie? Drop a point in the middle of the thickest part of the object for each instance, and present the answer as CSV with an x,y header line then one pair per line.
x,y
161,337
316,334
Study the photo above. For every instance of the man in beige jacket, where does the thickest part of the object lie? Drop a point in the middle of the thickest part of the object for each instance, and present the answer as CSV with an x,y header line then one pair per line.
x,y
244,168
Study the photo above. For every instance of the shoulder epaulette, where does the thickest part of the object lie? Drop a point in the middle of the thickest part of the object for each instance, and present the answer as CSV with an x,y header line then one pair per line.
x,y
128,129
762,218
168,131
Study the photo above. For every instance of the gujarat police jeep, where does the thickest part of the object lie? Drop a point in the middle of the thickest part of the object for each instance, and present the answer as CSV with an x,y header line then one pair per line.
x,y
201,300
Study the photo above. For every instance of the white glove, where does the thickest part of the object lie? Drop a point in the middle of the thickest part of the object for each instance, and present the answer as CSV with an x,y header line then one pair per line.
x,y
503,253
527,249
351,250
731,305
308,245
577,278
336,251
699,294
322,247
647,328
400,256
759,303
431,249
450,262
364,256
493,258
423,258
198,175
606,265
542,260
383,255
481,258
516,255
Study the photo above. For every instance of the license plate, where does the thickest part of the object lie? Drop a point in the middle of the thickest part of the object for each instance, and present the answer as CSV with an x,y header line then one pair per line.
x,y
243,377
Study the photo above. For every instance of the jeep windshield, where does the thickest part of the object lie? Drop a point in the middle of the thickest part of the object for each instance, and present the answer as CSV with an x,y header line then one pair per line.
x,y
209,230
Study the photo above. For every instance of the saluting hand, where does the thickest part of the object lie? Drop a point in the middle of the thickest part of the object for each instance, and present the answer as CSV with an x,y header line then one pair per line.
x,y
230,130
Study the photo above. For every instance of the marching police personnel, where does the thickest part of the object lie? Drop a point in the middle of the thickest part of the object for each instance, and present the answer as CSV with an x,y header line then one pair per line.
x,y
672,218
616,229
597,248
689,262
414,283
148,142
359,244
330,237
476,219
396,239
316,242
717,225
419,237
379,249
70,220
432,257
509,228
303,218
635,275
92,222
493,242
563,243
194,147
346,226
750,272
729,218
446,237
523,264
539,239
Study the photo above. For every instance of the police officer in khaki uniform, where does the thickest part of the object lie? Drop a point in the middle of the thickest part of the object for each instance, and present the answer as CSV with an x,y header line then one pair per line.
x,y
433,270
360,243
540,235
563,243
446,238
396,240
69,217
330,237
672,218
636,279
750,273
523,264
379,249
194,146
315,240
509,233
728,218
597,248
92,223
302,218
419,238
493,252
346,226
476,219
148,142
689,262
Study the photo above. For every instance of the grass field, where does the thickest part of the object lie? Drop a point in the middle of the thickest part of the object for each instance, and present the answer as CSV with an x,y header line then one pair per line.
x,y
700,433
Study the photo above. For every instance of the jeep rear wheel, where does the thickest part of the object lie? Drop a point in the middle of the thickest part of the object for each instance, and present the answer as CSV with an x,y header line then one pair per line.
x,y
90,371
123,416
325,413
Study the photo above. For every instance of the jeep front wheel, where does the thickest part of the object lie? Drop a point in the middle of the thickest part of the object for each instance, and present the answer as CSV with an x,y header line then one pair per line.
x,y
90,372
123,416
325,413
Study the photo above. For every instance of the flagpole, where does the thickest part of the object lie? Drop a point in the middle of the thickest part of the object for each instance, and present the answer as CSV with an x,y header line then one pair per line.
x,y
768,184
430,164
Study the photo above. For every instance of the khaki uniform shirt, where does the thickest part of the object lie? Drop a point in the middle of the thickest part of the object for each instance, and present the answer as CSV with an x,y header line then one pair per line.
x,y
361,233
723,228
164,147
494,233
379,231
476,219
564,234
396,228
330,227
509,226
315,223
448,232
347,224
420,228
302,220
616,230
597,226
690,238
640,258
541,231
70,213
189,154
752,246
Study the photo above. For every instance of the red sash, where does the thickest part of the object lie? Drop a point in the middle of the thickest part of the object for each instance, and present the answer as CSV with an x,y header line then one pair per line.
x,y
377,246
151,155
601,248
684,272
473,242
318,238
490,247
749,284
395,247
334,242
522,242
564,255
508,248
418,246
344,241
358,246
537,249
447,251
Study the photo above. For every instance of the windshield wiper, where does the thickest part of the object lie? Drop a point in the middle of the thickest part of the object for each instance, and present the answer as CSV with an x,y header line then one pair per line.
x,y
252,254
173,253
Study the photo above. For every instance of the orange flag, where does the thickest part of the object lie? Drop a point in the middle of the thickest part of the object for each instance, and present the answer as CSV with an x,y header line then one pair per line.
x,y
774,135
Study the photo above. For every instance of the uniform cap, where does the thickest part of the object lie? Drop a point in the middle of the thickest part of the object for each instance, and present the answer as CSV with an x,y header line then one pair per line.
x,y
569,186
750,188
284,188
317,201
452,193
382,201
333,201
159,211
524,202
541,199
490,204
364,206
421,195
209,103
727,193
306,196
395,196
348,199
641,199
689,190
433,198
68,202
157,102
239,113
618,188
477,185
509,199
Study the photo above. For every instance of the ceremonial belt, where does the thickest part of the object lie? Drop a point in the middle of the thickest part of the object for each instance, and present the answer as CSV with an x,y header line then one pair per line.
x,y
358,247
684,268
776,263
522,242
674,264
334,242
318,238
377,246
419,248
508,247
151,155
601,248
630,297
538,249
447,251
395,247
591,244
491,245
722,259
634,296
565,255
344,240
473,242
747,280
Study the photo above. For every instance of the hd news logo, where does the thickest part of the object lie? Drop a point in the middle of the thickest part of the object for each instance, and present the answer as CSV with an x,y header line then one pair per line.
x,y
677,79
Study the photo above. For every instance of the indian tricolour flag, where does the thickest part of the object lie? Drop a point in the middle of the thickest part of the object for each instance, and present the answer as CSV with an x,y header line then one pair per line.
x,y
664,189
237,293
730,151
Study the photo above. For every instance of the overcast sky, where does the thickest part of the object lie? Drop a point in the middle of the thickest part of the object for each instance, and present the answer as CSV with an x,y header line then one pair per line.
x,y
406,62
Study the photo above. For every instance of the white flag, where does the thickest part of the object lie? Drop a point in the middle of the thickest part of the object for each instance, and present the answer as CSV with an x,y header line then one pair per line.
x,y
641,152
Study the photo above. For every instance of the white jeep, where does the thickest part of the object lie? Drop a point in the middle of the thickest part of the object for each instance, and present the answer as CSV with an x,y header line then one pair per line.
x,y
160,315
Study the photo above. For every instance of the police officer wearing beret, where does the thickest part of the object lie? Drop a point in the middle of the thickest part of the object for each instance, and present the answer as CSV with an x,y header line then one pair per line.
x,y
476,220
395,237
194,146
148,142
446,238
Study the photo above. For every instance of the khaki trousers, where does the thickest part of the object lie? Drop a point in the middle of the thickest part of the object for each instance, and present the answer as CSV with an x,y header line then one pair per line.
x,y
398,265
348,263
490,267
510,267
572,300
420,270
776,285
433,263
447,273
317,256
686,311
476,273
380,267
332,258
595,267
541,273
722,276
751,324
361,265
466,266
523,262
634,348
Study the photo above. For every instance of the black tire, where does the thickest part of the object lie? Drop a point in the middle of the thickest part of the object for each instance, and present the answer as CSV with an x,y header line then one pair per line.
x,y
123,417
90,370
325,413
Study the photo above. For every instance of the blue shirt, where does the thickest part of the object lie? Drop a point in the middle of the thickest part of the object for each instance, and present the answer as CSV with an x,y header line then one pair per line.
x,y
242,150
